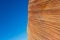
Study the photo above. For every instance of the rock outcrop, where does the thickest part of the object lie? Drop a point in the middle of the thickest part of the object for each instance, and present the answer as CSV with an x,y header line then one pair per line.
x,y
44,20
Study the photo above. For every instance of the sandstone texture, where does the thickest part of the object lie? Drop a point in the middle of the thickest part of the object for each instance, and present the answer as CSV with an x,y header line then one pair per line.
x,y
44,20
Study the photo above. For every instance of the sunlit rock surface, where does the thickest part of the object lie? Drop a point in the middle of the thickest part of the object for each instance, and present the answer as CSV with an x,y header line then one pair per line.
x,y
44,20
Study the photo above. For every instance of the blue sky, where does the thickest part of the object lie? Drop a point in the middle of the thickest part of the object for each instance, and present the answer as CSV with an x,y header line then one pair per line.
x,y
13,19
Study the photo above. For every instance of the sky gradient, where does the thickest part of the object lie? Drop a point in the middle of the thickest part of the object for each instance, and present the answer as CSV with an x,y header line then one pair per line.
x,y
13,19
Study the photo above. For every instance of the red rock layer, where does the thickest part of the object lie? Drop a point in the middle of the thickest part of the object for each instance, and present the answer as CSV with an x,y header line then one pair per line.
x,y
44,20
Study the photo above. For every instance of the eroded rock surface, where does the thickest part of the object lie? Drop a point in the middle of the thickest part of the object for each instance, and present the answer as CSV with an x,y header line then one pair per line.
x,y
44,20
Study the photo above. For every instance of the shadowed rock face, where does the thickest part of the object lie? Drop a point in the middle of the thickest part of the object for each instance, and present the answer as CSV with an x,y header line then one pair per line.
x,y
44,20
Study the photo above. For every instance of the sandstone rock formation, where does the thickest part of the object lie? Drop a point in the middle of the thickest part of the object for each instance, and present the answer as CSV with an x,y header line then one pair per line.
x,y
44,20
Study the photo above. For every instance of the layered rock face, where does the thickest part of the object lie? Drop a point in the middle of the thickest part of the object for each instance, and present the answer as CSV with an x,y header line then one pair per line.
x,y
44,20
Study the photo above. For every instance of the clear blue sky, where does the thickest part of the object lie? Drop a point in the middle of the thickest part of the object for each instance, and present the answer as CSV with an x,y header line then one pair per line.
x,y
13,19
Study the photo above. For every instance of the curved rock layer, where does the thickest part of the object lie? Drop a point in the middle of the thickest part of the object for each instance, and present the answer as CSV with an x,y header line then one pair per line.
x,y
44,20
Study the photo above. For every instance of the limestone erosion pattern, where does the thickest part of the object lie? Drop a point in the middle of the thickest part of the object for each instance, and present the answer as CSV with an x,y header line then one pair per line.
x,y
44,20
